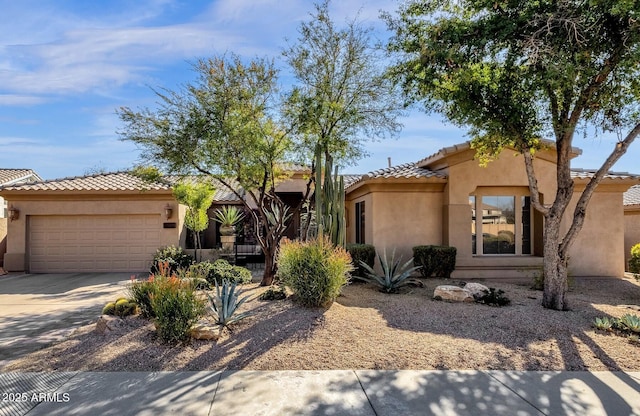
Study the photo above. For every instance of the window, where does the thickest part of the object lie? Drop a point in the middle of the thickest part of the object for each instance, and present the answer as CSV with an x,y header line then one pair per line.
x,y
503,222
360,224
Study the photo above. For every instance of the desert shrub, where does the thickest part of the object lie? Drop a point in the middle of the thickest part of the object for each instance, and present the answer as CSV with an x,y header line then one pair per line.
x,y
315,270
361,252
141,293
221,270
634,261
494,297
435,260
174,257
394,274
274,293
176,306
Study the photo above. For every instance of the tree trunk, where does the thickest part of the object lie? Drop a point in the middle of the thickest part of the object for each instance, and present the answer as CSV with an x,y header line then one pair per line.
x,y
554,269
269,266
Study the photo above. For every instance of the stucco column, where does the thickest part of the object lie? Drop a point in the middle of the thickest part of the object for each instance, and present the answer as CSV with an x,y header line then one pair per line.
x,y
457,228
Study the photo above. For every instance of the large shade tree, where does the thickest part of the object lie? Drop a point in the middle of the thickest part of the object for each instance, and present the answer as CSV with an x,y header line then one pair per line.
x,y
225,126
519,71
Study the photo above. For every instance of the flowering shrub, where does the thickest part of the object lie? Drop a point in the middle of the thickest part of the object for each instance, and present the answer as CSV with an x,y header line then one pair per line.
x,y
172,301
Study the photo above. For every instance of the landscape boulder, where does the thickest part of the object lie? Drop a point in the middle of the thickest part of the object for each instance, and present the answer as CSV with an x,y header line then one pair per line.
x,y
452,294
477,290
108,323
205,329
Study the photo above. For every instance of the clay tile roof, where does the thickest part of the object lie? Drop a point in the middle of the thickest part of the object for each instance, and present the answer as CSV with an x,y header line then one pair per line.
x,y
117,181
407,170
632,196
588,174
10,176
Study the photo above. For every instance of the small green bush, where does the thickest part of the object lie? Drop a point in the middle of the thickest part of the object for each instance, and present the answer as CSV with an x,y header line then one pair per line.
x,y
274,293
435,260
174,257
315,270
634,261
361,252
221,270
141,293
177,307
494,298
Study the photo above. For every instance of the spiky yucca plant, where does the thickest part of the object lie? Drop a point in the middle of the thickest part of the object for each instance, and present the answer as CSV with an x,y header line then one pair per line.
x,y
394,275
226,302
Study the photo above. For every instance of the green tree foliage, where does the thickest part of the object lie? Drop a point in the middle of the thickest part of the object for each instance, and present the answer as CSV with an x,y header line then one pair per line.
x,y
198,198
341,99
223,125
518,72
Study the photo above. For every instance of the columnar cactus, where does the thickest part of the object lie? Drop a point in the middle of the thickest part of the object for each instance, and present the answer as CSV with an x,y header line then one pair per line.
x,y
330,205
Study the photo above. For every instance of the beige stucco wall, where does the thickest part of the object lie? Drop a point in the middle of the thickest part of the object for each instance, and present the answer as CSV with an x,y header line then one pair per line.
x,y
631,231
390,225
85,204
404,216
599,248
3,239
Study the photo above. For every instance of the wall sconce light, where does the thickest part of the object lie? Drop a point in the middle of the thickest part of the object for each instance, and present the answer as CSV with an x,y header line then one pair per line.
x,y
168,211
14,213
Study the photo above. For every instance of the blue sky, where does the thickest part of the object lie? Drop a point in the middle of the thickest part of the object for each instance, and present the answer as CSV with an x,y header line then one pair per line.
x,y
66,66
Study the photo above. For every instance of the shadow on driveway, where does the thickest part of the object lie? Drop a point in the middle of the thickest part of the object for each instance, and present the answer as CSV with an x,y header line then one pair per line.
x,y
38,309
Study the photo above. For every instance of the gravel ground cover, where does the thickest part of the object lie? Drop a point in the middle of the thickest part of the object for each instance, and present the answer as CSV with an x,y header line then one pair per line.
x,y
366,329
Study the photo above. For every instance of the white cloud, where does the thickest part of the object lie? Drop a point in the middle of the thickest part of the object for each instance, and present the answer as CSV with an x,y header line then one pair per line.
x,y
20,100
54,160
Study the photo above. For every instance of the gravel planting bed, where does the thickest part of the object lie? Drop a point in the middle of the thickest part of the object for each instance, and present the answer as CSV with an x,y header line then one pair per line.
x,y
366,329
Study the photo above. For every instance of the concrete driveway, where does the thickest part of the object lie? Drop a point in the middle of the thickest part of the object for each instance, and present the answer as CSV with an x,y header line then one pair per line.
x,y
38,309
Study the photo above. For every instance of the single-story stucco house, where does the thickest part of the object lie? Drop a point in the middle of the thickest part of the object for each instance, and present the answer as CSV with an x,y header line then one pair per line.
x,y
485,212
109,222
11,177
115,221
631,220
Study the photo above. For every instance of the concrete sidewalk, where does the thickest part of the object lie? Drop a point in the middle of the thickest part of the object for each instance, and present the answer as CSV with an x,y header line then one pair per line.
x,y
339,392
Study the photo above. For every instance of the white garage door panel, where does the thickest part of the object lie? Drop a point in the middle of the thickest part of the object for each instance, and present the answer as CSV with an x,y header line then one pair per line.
x,y
92,243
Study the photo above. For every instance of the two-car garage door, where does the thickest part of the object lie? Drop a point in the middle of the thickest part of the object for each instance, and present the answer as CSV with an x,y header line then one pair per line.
x,y
92,243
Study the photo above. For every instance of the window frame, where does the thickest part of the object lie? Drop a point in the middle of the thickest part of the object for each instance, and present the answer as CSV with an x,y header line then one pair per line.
x,y
360,222
514,192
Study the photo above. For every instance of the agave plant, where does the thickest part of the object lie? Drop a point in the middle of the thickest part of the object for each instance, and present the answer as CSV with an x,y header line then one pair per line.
x,y
228,216
630,323
604,324
394,275
226,302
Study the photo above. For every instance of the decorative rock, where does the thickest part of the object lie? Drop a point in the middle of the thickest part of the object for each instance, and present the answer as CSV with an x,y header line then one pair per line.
x,y
477,290
205,330
107,323
452,294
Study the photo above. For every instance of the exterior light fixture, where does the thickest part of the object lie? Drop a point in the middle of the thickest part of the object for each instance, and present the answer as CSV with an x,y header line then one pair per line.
x,y
168,211
14,213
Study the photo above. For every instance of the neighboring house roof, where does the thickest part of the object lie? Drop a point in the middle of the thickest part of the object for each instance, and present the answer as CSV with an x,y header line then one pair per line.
x,y
14,176
588,174
117,181
632,196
